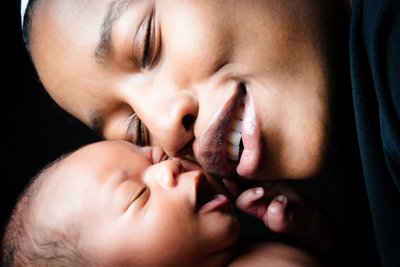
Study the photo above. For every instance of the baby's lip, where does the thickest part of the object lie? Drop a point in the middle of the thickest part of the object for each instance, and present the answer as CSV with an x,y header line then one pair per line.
x,y
204,191
207,197
212,153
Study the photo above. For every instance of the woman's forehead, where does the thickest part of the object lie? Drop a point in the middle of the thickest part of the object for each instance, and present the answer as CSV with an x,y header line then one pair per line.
x,y
70,18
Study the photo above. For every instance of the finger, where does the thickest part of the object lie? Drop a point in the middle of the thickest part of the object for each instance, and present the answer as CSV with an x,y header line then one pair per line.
x,y
246,200
276,218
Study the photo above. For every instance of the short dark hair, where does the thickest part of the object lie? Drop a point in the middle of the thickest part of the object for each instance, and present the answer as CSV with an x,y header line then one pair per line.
x,y
25,245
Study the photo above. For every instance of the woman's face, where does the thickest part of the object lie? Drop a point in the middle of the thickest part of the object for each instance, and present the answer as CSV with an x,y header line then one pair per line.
x,y
192,70
133,210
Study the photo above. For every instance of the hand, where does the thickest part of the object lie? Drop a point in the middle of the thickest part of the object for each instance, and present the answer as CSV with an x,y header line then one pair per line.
x,y
284,210
280,207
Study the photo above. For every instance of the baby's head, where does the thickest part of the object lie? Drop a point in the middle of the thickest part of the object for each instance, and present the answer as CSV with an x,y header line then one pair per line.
x,y
116,204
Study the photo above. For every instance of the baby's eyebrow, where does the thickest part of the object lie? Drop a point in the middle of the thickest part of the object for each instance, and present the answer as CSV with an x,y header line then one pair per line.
x,y
114,11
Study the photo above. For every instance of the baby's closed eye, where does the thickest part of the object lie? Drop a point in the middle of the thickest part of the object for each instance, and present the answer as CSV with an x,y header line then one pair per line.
x,y
139,193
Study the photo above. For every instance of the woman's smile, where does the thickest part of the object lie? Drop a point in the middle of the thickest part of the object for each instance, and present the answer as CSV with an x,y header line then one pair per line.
x,y
252,142
213,141
232,141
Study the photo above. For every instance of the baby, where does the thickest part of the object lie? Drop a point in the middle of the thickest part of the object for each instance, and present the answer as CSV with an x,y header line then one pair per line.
x,y
116,204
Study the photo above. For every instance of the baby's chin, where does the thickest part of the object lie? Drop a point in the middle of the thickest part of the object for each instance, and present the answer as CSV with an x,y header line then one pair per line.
x,y
225,255
220,258
200,259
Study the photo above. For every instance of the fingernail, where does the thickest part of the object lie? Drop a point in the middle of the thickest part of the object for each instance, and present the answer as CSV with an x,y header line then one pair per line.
x,y
282,199
257,191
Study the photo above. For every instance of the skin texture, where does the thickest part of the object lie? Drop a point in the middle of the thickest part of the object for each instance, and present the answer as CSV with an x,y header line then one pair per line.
x,y
200,61
273,254
99,190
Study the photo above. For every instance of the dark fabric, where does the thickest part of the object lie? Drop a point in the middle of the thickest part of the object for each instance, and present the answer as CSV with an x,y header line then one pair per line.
x,y
375,74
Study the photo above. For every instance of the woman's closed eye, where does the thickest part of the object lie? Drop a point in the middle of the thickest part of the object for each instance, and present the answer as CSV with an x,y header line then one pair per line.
x,y
137,132
146,42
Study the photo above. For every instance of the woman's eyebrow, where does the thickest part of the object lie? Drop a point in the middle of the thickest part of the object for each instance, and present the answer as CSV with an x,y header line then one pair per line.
x,y
114,11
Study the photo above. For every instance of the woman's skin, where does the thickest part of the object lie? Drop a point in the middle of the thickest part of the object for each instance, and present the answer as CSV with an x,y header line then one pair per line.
x,y
201,60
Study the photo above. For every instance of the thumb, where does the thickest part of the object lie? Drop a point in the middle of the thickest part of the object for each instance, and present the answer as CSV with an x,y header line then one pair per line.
x,y
275,217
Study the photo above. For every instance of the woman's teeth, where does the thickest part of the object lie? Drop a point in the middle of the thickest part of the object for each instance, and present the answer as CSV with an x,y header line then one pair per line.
x,y
235,136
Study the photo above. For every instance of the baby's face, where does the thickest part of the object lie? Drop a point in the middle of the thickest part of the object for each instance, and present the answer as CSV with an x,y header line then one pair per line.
x,y
135,211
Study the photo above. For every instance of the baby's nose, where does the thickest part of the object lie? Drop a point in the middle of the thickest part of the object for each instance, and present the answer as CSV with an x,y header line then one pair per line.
x,y
170,172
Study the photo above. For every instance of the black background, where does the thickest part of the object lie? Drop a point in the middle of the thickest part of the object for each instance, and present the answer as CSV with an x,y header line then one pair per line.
x,y
37,130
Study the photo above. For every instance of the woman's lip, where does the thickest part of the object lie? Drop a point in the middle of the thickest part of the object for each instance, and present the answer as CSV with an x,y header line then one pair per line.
x,y
252,142
212,143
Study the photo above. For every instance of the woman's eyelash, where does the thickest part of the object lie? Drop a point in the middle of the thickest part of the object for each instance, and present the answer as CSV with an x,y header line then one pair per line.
x,y
146,46
146,57
133,130
137,132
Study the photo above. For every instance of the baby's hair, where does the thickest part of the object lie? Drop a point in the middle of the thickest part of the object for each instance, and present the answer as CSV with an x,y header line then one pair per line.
x,y
24,245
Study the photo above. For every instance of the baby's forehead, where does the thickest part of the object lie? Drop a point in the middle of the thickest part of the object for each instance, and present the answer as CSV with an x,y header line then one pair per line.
x,y
118,145
108,157
99,162
109,149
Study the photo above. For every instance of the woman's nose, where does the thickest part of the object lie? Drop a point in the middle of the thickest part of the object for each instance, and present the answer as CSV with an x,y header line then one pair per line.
x,y
171,124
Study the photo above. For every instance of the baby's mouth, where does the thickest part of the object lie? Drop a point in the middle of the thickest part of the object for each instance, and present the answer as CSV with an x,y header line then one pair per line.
x,y
204,192
207,198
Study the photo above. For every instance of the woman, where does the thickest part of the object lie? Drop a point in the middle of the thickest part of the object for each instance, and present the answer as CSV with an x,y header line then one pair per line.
x,y
187,70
